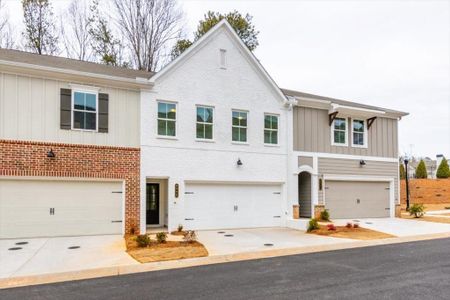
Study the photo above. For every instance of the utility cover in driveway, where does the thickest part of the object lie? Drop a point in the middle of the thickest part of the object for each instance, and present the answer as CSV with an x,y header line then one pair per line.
x,y
212,206
45,208
357,199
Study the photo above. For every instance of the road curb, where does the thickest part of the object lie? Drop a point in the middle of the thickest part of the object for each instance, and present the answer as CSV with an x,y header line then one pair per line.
x,y
201,261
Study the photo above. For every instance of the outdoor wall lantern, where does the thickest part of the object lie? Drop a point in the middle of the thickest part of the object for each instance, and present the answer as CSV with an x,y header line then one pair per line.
x,y
362,162
51,154
239,162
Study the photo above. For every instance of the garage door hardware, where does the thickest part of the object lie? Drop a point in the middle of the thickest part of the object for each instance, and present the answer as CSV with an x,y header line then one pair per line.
x,y
52,211
21,243
268,245
277,193
188,193
117,192
15,248
189,219
221,232
73,247
277,216
229,235
116,221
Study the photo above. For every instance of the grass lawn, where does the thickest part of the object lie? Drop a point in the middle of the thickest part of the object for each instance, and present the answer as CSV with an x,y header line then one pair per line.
x,y
352,233
170,250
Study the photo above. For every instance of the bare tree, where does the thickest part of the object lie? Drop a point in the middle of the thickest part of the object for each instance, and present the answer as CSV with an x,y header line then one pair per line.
x,y
6,34
40,32
148,27
75,24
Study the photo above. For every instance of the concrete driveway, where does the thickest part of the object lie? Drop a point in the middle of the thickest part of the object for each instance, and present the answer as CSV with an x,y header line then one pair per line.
x,y
52,255
247,240
400,227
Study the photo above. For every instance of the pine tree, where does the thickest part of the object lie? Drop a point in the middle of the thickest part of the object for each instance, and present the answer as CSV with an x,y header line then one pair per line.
x,y
443,170
402,172
421,170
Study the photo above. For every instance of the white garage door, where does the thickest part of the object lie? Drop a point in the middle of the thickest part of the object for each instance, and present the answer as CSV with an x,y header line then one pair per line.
x,y
357,199
43,208
214,206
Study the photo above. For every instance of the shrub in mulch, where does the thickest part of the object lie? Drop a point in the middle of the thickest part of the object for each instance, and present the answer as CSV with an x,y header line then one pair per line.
x,y
356,225
349,225
331,227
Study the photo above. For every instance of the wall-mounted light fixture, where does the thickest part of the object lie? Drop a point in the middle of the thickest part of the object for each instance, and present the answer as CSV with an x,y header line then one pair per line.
x,y
51,154
362,162
239,162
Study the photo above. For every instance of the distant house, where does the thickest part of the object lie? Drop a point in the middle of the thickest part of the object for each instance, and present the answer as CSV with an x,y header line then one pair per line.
x,y
430,164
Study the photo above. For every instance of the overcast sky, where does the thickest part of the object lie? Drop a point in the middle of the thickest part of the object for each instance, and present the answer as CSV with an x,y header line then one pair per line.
x,y
394,54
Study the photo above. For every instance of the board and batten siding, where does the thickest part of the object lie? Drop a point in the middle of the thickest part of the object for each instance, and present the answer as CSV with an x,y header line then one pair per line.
x,y
30,111
334,166
312,133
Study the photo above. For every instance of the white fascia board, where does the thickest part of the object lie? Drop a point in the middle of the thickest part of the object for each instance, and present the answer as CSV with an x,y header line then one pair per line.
x,y
355,111
345,156
138,80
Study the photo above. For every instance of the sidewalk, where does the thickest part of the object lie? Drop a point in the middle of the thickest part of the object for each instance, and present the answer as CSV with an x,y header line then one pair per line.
x,y
129,269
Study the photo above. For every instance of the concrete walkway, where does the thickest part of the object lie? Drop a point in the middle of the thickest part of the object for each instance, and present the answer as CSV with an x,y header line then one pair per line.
x,y
218,242
400,227
52,255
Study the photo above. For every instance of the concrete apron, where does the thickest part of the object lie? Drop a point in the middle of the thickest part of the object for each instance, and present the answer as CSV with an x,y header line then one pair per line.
x,y
201,261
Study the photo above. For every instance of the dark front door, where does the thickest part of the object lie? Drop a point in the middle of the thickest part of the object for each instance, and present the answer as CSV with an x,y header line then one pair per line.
x,y
152,203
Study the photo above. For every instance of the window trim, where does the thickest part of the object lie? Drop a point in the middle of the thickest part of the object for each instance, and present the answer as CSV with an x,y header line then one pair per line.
x,y
333,143
270,129
197,122
366,142
72,108
169,137
238,126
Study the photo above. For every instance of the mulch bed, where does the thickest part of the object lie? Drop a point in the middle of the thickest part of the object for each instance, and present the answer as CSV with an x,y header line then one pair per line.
x,y
352,233
170,250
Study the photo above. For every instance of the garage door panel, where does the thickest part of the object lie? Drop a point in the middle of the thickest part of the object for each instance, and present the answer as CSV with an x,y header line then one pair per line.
x,y
357,199
214,206
80,208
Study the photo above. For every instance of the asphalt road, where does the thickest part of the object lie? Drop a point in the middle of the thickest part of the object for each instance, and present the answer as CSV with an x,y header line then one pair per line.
x,y
419,270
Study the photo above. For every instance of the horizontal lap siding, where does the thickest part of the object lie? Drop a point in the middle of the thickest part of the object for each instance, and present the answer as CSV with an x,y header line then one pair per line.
x,y
333,166
30,111
312,134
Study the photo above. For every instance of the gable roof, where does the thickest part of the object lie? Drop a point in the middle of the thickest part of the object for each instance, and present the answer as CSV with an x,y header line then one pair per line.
x,y
69,64
225,25
307,96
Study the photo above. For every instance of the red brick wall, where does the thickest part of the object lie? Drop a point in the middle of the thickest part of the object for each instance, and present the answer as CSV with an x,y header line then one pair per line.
x,y
21,158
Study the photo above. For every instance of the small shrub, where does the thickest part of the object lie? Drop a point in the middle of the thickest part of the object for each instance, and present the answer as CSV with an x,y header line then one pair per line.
x,y
161,237
443,170
331,227
417,210
313,225
356,225
143,240
190,236
421,170
180,228
325,215
349,225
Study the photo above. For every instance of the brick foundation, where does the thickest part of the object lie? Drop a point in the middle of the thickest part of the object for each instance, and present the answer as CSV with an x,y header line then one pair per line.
x,y
23,158
318,209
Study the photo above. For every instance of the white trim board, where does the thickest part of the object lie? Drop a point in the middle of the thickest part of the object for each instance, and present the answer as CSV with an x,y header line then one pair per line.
x,y
345,156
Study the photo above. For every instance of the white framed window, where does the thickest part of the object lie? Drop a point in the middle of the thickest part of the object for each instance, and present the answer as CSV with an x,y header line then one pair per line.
x,y
167,119
84,110
339,130
270,129
205,123
359,133
239,126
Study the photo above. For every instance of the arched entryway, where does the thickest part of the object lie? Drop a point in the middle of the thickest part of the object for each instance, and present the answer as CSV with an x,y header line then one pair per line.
x,y
304,194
